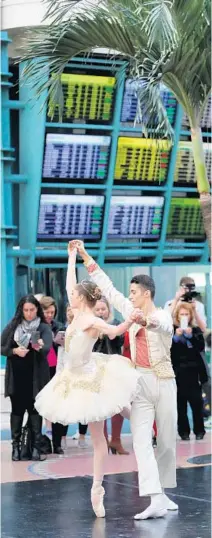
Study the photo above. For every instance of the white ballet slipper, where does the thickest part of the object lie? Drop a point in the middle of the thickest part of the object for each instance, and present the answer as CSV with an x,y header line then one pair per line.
x,y
97,497
155,510
169,504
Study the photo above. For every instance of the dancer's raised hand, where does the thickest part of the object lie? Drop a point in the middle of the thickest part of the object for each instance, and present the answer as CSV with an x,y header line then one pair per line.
x,y
82,251
80,248
71,247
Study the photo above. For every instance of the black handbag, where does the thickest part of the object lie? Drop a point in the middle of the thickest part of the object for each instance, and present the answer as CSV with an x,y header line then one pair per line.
x,y
26,443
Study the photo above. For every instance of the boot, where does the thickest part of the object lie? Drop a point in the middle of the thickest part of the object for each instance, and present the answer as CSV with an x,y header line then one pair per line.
x,y
115,445
36,425
16,425
57,432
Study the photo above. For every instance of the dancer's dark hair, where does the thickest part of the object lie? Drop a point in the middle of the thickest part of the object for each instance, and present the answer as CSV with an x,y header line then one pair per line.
x,y
145,282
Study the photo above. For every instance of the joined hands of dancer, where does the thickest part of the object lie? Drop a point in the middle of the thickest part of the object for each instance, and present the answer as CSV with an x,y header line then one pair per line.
x,y
99,324
137,316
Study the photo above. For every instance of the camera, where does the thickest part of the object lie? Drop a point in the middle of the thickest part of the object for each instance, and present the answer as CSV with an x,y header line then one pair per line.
x,y
190,293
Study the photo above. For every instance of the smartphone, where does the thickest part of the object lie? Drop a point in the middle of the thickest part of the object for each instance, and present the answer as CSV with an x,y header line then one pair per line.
x,y
61,333
184,322
35,337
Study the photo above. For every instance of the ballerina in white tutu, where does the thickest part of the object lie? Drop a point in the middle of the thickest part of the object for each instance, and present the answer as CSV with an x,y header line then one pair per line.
x,y
92,386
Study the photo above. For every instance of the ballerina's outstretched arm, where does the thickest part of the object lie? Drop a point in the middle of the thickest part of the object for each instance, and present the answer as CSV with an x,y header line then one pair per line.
x,y
71,280
111,330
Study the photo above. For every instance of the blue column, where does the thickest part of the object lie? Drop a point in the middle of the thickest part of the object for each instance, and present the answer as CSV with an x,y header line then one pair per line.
x,y
114,142
168,192
32,134
208,300
8,265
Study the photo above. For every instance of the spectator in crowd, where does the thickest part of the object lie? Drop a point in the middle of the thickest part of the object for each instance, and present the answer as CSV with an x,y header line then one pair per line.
x,y
110,347
26,341
186,283
58,332
189,368
207,386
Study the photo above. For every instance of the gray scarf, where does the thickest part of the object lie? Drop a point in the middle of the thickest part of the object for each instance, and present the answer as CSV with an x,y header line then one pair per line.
x,y
24,331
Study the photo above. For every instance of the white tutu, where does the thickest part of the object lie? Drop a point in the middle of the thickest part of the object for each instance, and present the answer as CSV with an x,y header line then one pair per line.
x,y
103,387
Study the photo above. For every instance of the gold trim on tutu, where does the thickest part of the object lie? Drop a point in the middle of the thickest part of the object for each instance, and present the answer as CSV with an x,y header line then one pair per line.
x,y
66,382
62,385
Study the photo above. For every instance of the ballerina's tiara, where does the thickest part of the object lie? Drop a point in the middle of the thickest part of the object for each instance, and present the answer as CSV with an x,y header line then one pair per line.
x,y
92,295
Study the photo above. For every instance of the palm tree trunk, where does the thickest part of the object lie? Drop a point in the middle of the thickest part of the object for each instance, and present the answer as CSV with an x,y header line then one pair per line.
x,y
203,185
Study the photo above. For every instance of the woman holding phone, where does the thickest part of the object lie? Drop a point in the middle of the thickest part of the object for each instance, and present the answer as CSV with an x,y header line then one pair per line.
x,y
58,334
25,342
190,371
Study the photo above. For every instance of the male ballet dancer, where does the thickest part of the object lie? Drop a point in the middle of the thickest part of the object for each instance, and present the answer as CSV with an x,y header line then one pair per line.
x,y
150,342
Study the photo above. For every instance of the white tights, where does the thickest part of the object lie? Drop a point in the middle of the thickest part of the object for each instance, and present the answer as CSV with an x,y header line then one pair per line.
x,y
100,450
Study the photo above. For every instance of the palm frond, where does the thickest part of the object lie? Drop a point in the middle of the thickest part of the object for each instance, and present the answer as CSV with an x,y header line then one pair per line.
x,y
58,46
162,40
58,10
159,24
151,112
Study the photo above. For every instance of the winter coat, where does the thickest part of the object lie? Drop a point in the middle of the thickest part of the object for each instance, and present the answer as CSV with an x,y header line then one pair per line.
x,y
16,365
187,359
107,346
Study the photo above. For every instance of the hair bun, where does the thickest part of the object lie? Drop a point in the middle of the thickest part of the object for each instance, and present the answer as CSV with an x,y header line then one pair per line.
x,y
97,294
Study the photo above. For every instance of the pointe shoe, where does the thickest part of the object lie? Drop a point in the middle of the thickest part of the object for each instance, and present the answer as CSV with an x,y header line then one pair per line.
x,y
117,448
169,504
97,496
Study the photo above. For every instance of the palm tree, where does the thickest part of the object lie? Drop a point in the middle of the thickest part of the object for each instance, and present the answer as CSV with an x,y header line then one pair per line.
x,y
164,41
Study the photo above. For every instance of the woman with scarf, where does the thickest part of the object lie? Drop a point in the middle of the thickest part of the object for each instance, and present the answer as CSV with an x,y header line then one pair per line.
x,y
190,371
26,341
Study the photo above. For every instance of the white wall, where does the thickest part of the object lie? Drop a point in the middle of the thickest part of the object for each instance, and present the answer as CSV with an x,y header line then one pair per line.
x,y
21,13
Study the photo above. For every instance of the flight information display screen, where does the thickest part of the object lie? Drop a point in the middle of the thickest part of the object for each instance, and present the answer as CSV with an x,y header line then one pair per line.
x,y
86,97
69,216
142,160
185,168
185,219
80,157
133,217
130,102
